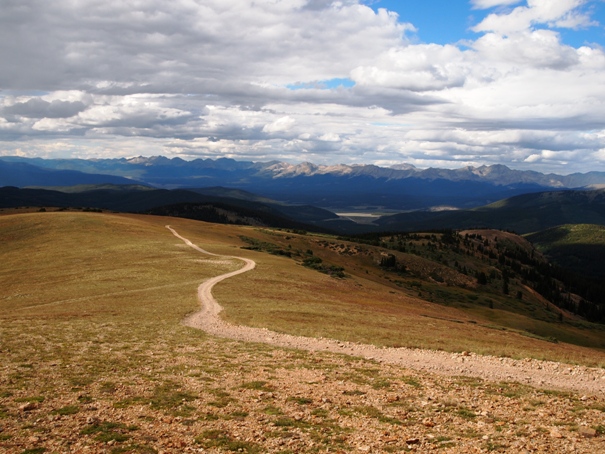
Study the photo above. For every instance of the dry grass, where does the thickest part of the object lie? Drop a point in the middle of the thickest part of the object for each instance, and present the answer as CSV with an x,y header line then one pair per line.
x,y
94,358
284,296
74,265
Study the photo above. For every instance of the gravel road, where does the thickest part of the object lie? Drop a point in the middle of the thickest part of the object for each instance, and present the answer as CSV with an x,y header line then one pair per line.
x,y
542,374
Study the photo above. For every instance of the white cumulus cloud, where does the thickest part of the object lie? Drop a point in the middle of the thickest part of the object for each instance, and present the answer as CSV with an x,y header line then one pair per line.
x,y
279,125
555,13
302,80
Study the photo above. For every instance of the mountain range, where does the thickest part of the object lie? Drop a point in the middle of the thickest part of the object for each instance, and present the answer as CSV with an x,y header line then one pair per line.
x,y
340,187
524,213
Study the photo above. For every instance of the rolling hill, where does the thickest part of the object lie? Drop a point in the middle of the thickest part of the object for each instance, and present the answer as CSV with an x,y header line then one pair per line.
x,y
95,358
440,273
523,214
25,174
210,204
577,247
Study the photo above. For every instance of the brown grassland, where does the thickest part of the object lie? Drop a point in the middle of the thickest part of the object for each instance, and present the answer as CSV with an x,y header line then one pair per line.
x,y
94,358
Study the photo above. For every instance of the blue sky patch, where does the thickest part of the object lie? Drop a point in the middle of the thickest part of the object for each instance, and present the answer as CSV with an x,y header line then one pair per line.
x,y
322,84
449,22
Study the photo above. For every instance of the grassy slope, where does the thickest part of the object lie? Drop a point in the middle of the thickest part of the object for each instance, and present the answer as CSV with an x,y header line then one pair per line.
x,y
375,306
579,247
105,266
523,213
94,358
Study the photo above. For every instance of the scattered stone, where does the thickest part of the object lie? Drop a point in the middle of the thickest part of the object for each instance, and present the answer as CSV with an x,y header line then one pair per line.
x,y
352,414
28,406
587,432
555,434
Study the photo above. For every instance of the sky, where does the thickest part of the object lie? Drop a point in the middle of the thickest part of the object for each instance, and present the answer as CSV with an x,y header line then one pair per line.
x,y
433,83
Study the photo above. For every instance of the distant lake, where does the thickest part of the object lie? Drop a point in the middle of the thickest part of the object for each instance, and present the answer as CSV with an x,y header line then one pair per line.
x,y
358,215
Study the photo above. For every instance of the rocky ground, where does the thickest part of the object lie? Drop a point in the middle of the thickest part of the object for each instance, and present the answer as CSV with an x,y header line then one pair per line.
x,y
220,396
103,385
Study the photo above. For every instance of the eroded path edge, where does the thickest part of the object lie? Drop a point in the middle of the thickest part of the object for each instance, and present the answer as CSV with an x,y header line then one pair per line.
x,y
541,374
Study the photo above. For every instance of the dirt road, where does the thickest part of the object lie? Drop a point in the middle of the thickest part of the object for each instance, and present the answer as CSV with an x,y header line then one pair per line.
x,y
542,374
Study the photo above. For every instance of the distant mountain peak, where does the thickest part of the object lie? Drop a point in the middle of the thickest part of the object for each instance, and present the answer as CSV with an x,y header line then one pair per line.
x,y
362,186
403,166
151,160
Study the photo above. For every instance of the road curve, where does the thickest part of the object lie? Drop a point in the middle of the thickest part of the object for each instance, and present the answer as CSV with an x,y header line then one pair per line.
x,y
210,307
542,374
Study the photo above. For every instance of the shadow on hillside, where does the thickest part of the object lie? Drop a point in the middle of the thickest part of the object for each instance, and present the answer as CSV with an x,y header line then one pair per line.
x,y
584,259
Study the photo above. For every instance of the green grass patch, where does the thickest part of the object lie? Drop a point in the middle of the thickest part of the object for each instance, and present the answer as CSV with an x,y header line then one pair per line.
x,y
320,412
134,449
67,410
354,392
411,381
273,411
34,451
300,400
381,384
217,438
466,413
240,415
128,402
373,412
169,396
289,422
223,399
30,399
108,431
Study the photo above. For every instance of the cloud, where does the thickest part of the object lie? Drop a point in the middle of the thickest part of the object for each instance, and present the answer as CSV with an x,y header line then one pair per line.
x,y
190,43
39,108
279,125
554,13
537,49
317,80
485,4
330,137
416,68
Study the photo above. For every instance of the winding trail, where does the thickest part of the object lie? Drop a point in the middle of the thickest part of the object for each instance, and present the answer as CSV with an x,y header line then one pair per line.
x,y
541,374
